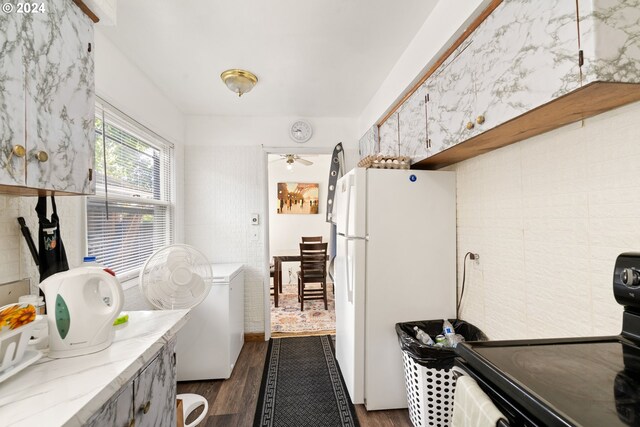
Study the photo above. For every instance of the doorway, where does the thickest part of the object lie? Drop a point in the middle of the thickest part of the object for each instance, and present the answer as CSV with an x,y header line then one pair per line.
x,y
297,194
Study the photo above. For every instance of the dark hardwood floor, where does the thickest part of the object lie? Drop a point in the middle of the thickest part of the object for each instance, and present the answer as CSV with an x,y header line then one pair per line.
x,y
233,402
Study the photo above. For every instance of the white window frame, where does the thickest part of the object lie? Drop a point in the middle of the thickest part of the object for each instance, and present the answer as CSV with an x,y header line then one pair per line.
x,y
167,189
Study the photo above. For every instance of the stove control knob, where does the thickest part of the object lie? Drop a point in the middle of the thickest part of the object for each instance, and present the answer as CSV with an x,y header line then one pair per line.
x,y
630,277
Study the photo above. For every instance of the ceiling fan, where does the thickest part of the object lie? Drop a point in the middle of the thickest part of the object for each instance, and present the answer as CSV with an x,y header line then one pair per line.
x,y
290,158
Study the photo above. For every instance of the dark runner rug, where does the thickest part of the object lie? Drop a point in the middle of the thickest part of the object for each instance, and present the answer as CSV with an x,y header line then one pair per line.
x,y
302,386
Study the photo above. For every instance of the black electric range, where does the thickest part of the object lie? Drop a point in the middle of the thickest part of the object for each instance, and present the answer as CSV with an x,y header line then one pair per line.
x,y
591,381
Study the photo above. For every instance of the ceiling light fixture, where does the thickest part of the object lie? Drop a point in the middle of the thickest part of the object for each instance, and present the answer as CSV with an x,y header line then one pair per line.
x,y
290,161
239,81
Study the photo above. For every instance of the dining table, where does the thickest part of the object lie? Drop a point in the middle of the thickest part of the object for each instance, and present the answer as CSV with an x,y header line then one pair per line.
x,y
277,271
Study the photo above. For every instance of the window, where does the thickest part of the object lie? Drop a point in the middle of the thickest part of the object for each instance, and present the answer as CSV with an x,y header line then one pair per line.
x,y
132,213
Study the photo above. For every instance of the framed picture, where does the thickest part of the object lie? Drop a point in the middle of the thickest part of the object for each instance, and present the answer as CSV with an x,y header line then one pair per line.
x,y
297,198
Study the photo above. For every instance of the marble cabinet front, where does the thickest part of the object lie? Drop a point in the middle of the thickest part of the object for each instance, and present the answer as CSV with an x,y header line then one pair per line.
x,y
524,55
368,144
452,99
413,126
520,57
148,400
12,123
154,401
610,40
389,136
60,98
117,413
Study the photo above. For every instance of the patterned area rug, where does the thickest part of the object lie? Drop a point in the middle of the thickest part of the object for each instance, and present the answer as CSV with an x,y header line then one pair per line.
x,y
287,317
302,386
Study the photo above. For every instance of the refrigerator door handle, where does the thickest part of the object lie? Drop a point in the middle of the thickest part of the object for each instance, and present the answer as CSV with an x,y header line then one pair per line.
x,y
354,237
350,269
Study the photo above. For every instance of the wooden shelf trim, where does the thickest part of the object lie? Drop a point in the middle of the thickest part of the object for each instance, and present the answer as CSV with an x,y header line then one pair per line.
x,y
15,190
83,7
588,101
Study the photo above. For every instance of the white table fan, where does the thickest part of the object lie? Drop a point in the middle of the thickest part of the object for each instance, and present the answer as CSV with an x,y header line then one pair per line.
x,y
178,277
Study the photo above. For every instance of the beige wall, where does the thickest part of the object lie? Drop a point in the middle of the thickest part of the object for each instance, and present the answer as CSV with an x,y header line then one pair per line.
x,y
548,217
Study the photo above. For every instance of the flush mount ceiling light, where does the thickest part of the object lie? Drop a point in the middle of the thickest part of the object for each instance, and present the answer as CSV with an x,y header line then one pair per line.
x,y
239,81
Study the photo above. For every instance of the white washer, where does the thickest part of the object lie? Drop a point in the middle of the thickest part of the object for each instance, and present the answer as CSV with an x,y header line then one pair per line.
x,y
209,344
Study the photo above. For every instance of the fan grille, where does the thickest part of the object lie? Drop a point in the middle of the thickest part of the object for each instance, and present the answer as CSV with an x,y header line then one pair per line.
x,y
176,277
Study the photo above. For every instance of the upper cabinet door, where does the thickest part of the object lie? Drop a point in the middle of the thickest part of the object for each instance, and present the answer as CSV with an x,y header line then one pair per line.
x,y
389,136
368,144
12,126
413,126
610,40
60,99
451,99
520,57
525,55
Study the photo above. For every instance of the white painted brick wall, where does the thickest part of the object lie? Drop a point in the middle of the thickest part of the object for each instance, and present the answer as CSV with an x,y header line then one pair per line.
x,y
10,238
15,259
224,185
548,217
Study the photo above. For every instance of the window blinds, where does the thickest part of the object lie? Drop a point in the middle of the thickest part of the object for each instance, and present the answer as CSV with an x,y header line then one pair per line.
x,y
131,214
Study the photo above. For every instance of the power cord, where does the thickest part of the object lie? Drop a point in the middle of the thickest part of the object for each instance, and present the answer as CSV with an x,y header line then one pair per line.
x,y
472,256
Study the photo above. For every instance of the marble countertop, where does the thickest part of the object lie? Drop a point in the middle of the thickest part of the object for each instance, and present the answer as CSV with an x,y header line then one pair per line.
x,y
68,391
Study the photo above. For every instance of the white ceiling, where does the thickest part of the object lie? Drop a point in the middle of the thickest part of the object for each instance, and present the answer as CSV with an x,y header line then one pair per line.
x,y
322,58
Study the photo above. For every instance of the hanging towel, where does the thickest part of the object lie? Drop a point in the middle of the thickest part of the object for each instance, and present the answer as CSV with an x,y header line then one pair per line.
x,y
51,253
472,407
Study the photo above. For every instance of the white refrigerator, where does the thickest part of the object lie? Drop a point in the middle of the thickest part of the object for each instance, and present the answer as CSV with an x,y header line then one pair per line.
x,y
395,262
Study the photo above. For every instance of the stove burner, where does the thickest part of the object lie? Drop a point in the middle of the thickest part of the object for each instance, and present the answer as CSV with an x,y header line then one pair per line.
x,y
626,282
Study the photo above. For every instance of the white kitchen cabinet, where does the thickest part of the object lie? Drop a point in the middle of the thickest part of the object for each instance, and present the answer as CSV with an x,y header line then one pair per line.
x,y
520,57
50,99
60,99
610,40
389,136
148,400
451,98
118,412
524,56
533,69
413,126
154,391
12,123
368,144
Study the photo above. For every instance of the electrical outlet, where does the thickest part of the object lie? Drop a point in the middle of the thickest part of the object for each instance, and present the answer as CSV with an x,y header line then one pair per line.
x,y
475,257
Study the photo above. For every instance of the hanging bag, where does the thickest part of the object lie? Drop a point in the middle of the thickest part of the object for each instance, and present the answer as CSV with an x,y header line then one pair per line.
x,y
51,253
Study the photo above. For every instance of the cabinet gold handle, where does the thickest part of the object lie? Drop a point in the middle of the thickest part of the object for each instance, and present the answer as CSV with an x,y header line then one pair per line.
x,y
19,150
145,408
480,119
132,423
42,156
470,125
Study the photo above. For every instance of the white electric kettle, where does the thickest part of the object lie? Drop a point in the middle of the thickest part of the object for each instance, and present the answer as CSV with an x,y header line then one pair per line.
x,y
80,322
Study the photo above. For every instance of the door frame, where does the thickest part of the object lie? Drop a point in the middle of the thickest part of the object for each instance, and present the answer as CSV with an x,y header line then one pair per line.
x,y
266,150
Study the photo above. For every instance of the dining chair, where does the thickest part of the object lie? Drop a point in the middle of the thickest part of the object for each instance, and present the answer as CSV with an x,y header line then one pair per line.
x,y
311,239
313,271
272,270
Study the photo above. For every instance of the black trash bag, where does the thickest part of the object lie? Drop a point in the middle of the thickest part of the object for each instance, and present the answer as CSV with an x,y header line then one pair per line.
x,y
429,356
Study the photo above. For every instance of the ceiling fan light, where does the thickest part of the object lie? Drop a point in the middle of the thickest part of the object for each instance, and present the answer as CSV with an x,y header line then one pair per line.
x,y
239,81
289,166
